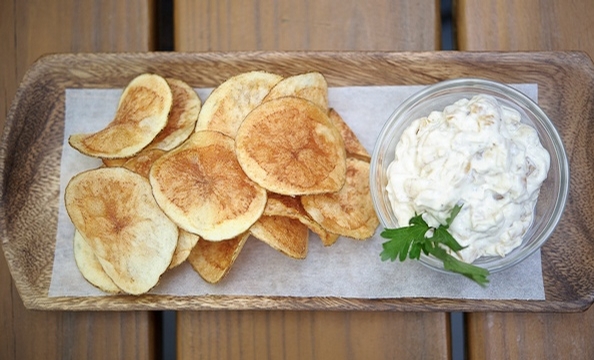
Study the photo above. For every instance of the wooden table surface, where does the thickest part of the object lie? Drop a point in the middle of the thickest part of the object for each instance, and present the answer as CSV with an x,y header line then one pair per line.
x,y
30,29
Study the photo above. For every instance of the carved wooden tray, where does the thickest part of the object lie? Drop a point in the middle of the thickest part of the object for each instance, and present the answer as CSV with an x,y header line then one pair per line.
x,y
32,145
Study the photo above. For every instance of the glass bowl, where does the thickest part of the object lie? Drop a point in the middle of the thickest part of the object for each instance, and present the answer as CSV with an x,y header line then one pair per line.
x,y
554,190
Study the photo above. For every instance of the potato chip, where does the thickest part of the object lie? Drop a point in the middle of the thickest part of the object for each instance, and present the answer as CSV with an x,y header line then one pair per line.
x,y
230,102
212,260
182,118
114,162
287,235
348,212
115,212
142,163
289,146
288,206
141,114
327,237
352,145
201,186
90,267
185,244
310,86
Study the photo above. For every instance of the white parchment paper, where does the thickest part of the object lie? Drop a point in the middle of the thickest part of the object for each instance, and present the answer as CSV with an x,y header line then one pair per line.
x,y
348,269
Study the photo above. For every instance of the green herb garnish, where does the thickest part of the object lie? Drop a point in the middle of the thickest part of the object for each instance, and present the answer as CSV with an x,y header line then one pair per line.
x,y
411,240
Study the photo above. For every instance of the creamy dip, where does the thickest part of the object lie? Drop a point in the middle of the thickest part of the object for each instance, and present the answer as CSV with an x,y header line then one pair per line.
x,y
478,154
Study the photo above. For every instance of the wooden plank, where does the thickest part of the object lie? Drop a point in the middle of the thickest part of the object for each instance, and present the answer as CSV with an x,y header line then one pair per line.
x,y
530,336
8,58
312,335
28,30
527,25
213,25
32,28
30,334
308,25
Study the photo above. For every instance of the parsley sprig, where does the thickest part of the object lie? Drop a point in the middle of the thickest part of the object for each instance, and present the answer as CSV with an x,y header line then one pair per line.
x,y
409,241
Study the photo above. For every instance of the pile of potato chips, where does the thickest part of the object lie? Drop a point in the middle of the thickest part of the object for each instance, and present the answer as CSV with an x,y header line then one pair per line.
x,y
185,180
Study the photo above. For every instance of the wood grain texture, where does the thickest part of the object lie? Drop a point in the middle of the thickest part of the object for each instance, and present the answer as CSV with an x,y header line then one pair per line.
x,y
28,334
35,130
529,25
530,336
29,29
213,25
525,25
312,335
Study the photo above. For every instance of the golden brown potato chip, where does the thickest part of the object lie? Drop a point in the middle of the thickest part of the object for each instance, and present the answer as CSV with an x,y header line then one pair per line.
x,y
212,260
90,267
182,117
141,115
114,162
352,145
185,244
289,146
287,235
201,186
310,86
289,206
348,212
230,102
141,163
115,212
327,238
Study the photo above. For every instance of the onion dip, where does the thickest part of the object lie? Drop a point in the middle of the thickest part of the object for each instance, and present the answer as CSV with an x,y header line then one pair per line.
x,y
476,153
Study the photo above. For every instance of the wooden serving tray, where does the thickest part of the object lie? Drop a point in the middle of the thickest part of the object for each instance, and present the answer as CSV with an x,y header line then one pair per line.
x,y
32,146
